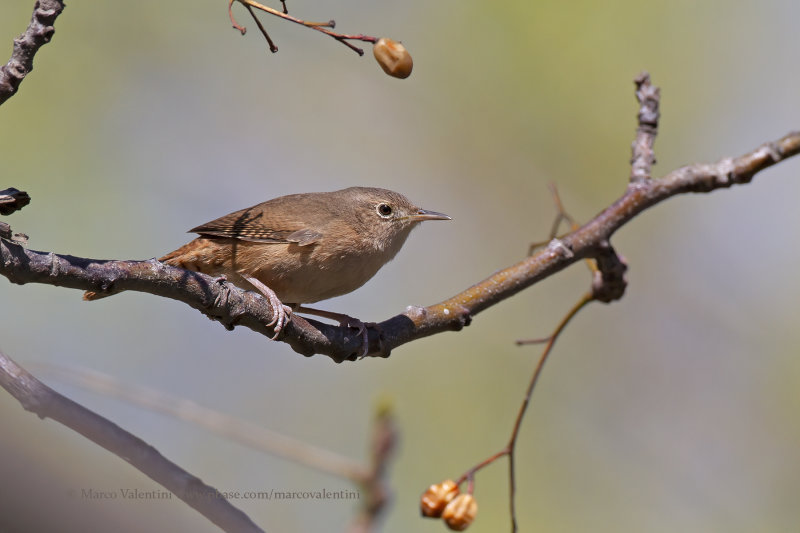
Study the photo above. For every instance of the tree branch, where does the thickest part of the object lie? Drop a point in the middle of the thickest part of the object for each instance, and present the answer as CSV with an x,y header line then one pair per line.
x,y
232,306
40,399
13,200
370,477
39,33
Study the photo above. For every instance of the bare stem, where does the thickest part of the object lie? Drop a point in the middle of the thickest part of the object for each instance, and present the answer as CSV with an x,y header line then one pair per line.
x,y
588,297
643,158
227,426
324,27
508,450
272,47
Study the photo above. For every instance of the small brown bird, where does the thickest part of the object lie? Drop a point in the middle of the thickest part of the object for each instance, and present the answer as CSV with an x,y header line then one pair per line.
x,y
303,248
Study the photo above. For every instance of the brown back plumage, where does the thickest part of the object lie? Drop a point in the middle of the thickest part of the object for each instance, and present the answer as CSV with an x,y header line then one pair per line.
x,y
305,247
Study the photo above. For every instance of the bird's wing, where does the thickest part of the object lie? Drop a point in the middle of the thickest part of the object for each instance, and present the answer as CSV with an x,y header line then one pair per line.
x,y
255,225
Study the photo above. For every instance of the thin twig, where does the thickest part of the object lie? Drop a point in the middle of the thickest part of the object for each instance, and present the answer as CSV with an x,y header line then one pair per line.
x,y
376,487
324,27
272,47
222,424
642,156
561,216
512,443
508,450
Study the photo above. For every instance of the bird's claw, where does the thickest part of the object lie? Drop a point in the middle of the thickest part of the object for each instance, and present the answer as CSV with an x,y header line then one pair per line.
x,y
281,314
361,327
347,321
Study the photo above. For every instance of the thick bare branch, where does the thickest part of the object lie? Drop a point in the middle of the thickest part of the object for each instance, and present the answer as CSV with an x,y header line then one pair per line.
x,y
39,33
218,299
232,306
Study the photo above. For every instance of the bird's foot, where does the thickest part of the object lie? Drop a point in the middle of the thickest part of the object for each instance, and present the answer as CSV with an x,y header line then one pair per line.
x,y
346,321
281,314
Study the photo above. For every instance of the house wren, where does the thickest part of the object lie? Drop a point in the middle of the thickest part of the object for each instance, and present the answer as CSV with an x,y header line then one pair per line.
x,y
303,248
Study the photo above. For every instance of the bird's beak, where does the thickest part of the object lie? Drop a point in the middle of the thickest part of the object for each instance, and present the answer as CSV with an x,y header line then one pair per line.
x,y
424,214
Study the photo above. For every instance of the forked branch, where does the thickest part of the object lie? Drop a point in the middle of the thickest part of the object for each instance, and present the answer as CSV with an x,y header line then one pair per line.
x,y
232,306
324,27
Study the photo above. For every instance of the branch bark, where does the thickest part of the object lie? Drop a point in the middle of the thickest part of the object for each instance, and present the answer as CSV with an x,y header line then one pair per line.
x,y
13,200
232,306
39,32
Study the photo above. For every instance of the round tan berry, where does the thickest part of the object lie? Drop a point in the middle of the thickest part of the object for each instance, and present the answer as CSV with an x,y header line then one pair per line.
x,y
460,512
437,496
393,58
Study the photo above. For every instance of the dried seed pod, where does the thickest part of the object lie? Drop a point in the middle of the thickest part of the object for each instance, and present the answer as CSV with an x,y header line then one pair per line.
x,y
460,512
434,500
393,58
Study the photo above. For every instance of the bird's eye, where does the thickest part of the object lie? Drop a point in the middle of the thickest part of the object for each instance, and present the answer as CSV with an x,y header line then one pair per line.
x,y
384,210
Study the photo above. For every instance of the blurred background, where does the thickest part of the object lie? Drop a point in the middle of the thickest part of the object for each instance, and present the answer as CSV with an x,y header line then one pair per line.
x,y
674,409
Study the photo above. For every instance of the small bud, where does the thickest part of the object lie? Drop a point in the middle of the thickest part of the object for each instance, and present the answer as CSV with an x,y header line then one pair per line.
x,y
460,513
437,496
393,58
